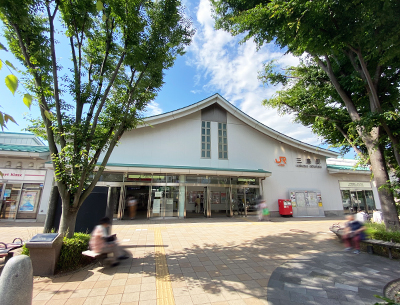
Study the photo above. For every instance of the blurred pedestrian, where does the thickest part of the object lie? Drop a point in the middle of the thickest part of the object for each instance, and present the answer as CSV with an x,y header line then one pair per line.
x,y
102,242
353,234
262,209
197,204
132,204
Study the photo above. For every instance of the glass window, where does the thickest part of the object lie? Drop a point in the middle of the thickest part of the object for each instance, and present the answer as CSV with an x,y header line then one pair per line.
x,y
112,177
346,201
369,197
206,139
158,178
29,200
222,141
197,179
220,180
173,179
11,197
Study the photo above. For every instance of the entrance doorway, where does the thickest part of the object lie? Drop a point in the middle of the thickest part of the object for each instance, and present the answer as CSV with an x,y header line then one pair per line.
x,y
164,201
118,199
355,201
215,201
140,195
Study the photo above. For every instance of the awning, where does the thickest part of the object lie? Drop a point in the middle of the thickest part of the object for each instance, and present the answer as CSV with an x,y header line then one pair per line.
x,y
186,170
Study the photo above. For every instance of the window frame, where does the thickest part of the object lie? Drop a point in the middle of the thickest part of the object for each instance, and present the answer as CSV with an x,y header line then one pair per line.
x,y
205,125
221,144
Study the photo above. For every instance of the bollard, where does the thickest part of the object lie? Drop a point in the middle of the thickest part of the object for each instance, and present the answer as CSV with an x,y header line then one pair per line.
x,y
16,281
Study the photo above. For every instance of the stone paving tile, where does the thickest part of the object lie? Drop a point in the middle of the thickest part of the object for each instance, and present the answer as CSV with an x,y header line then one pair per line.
x,y
210,265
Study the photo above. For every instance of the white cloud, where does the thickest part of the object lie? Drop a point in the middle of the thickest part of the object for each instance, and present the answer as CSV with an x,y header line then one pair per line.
x,y
232,69
153,108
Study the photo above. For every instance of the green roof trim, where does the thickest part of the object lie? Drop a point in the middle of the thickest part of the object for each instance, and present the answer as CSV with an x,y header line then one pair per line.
x,y
20,133
24,148
190,167
343,167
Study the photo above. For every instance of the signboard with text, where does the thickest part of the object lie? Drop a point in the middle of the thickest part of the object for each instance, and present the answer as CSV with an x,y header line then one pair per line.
x,y
22,174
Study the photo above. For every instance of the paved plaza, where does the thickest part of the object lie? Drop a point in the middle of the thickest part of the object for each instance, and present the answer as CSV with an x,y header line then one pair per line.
x,y
220,261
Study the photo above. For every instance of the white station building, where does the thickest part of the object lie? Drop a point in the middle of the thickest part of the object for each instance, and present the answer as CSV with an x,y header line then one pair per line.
x,y
213,151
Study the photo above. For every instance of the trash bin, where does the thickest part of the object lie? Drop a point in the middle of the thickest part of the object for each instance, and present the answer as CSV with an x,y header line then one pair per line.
x,y
44,251
285,207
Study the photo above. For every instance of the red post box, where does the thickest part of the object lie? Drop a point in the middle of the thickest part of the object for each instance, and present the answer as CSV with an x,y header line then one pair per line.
x,y
285,207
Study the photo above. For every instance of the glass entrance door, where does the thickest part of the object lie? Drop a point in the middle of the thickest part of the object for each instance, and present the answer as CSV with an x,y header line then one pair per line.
x,y
164,201
207,202
171,201
114,199
357,201
11,198
226,198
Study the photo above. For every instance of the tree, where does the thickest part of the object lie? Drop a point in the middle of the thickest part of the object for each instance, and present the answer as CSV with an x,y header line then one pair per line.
x,y
356,45
119,51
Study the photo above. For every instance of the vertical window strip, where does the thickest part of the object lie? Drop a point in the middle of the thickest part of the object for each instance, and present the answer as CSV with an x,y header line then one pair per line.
x,y
222,141
205,139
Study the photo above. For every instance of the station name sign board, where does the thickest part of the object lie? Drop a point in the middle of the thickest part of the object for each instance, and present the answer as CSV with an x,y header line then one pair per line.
x,y
355,184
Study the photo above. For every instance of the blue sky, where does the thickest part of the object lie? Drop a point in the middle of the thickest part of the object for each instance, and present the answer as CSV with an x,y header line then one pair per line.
x,y
215,62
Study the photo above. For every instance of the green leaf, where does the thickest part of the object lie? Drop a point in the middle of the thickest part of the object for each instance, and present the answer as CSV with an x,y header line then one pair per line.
x,y
2,121
48,115
28,100
12,83
99,6
2,47
104,18
1,64
8,117
10,64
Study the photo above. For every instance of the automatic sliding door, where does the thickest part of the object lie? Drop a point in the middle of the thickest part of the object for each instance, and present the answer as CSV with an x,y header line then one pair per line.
x,y
114,200
171,201
157,201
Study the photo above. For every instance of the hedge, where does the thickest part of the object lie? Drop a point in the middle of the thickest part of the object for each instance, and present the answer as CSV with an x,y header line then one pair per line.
x,y
71,252
378,231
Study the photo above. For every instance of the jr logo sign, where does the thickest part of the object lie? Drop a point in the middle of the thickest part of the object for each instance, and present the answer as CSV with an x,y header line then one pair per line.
x,y
281,161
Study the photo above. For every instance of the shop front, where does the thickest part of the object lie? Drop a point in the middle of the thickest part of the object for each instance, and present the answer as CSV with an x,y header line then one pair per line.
x,y
174,195
357,196
20,193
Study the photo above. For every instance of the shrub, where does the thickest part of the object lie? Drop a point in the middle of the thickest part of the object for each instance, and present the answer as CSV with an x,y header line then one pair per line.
x,y
71,252
378,231
25,250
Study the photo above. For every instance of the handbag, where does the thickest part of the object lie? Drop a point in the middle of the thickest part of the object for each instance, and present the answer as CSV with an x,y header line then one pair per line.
x,y
265,212
110,238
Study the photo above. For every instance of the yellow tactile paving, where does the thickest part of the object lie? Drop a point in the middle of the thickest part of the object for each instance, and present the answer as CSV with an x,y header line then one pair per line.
x,y
163,281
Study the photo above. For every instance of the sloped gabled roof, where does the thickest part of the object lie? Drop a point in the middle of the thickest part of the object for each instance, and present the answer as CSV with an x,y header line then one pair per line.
x,y
24,148
236,112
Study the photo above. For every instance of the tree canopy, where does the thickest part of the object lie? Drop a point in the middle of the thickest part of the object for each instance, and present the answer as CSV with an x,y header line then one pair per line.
x,y
347,88
119,51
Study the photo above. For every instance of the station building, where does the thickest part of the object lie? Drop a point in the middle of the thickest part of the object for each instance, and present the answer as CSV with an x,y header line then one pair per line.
x,y
24,182
213,151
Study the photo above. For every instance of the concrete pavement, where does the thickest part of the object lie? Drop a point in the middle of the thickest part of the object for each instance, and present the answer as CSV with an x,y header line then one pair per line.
x,y
220,261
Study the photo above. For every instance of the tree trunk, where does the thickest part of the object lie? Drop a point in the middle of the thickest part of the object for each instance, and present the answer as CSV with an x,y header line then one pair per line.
x,y
381,177
68,220
49,222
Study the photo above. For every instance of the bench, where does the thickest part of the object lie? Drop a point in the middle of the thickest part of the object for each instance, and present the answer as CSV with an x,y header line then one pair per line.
x,y
339,231
370,242
102,257
6,250
387,244
93,254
